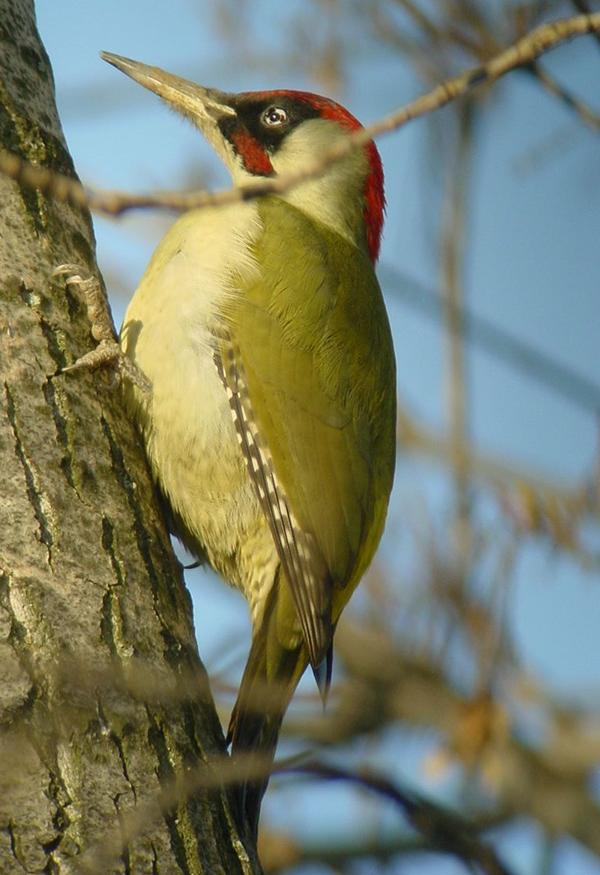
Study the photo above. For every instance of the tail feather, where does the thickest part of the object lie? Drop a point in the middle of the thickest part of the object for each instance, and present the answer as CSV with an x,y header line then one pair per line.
x,y
323,672
271,675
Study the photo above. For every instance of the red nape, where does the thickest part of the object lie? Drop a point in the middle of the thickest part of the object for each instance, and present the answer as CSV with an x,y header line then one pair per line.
x,y
251,152
374,194
374,201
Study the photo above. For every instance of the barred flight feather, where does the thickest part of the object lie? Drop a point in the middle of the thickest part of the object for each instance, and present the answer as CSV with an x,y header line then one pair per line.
x,y
300,558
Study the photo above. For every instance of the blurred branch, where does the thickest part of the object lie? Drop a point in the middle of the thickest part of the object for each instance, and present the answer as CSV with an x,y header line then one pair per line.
x,y
523,52
416,437
452,251
534,503
388,684
516,353
443,830
280,852
216,774
449,34
587,115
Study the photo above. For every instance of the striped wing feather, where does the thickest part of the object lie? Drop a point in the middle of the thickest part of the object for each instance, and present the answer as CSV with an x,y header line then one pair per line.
x,y
300,558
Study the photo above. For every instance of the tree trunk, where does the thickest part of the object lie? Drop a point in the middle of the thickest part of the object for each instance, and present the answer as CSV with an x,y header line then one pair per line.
x,y
93,609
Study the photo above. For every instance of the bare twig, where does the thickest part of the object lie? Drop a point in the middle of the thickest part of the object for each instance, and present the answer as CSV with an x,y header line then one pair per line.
x,y
481,48
523,52
585,113
584,7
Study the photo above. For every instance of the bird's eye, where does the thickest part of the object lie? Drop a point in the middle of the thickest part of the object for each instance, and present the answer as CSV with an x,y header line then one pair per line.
x,y
274,117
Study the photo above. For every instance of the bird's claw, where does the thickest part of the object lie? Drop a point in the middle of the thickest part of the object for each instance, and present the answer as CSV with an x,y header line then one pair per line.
x,y
107,353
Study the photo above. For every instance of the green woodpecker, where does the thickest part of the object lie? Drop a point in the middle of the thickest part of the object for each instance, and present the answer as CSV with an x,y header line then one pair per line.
x,y
270,424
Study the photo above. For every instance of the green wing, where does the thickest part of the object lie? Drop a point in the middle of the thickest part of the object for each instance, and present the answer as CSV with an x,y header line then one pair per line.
x,y
309,364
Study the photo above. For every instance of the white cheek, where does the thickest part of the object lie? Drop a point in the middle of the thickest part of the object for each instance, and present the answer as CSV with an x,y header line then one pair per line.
x,y
333,197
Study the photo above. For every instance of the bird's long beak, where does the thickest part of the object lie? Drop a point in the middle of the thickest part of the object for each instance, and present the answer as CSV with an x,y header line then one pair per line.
x,y
205,107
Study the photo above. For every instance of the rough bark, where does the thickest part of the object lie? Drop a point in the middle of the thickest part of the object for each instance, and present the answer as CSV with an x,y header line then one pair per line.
x,y
87,576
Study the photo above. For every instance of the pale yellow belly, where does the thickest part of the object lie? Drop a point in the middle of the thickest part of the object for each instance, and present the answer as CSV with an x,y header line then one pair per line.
x,y
187,424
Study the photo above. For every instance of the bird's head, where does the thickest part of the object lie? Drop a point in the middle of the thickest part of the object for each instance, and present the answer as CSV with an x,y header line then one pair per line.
x,y
269,133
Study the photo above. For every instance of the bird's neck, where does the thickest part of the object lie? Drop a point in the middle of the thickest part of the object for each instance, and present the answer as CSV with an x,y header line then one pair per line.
x,y
335,198
336,201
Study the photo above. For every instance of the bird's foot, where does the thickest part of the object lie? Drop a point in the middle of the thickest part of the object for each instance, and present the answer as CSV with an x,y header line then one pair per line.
x,y
107,353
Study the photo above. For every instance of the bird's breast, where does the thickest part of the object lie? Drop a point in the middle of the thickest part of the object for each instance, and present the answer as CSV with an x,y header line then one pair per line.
x,y
169,332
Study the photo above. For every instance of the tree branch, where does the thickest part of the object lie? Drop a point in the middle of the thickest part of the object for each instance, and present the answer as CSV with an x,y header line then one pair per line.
x,y
388,685
442,829
523,52
584,7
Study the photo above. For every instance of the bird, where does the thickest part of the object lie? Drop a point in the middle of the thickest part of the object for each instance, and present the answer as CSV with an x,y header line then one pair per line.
x,y
270,424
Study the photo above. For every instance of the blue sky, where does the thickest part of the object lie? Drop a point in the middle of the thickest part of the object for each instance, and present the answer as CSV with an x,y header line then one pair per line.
x,y
531,268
